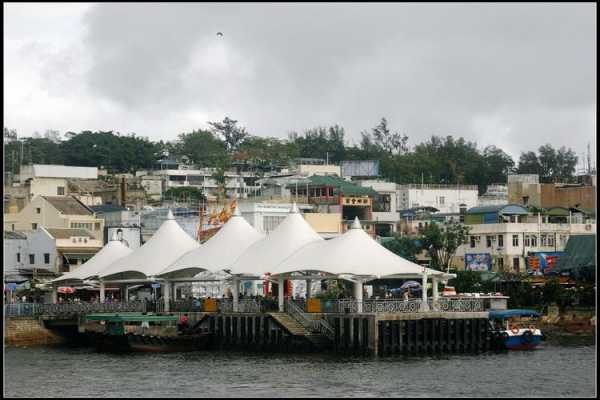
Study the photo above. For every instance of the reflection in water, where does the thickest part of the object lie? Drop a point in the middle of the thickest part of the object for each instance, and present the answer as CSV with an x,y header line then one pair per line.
x,y
51,371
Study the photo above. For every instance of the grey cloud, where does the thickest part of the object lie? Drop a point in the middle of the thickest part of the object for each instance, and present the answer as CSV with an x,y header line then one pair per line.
x,y
430,69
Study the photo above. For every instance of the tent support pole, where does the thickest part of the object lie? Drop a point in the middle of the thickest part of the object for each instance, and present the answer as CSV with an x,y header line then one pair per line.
x,y
102,293
358,295
235,287
424,305
280,290
308,288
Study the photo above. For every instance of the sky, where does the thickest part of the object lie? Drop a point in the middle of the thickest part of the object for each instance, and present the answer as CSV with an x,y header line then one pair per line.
x,y
511,75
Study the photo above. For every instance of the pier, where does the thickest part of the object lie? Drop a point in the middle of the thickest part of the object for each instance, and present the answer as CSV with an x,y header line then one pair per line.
x,y
383,327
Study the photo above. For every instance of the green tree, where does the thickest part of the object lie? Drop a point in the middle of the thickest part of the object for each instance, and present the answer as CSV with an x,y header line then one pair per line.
x,y
185,193
529,164
231,133
383,139
404,247
441,244
203,148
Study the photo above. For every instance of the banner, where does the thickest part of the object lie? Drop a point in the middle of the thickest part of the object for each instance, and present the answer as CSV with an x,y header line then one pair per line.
x,y
478,262
542,263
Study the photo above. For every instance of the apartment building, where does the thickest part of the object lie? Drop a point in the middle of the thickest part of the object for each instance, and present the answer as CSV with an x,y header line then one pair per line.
x,y
445,198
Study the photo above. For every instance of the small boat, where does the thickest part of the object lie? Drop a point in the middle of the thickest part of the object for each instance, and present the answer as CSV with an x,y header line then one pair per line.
x,y
512,332
122,333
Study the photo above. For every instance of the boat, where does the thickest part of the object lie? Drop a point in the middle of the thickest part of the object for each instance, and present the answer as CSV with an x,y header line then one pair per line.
x,y
131,332
515,329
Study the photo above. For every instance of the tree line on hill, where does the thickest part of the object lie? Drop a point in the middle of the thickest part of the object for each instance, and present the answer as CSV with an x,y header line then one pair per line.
x,y
438,160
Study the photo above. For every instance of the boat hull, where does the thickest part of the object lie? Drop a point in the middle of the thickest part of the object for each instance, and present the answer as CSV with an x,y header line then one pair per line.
x,y
525,339
150,344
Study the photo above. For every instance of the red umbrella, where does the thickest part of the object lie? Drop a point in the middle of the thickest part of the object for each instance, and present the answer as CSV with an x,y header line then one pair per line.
x,y
66,290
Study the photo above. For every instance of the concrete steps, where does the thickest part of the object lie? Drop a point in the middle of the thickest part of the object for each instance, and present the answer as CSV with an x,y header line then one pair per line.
x,y
295,328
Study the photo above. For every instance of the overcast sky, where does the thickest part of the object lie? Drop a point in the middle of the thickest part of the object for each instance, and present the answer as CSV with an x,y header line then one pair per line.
x,y
516,76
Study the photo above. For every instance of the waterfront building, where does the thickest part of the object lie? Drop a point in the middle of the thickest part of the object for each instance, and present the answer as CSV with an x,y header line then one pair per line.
x,y
445,198
65,212
75,246
508,238
29,254
114,250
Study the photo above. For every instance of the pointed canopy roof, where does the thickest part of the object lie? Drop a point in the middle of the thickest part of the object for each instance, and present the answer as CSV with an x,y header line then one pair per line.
x,y
218,253
110,253
167,244
264,255
355,254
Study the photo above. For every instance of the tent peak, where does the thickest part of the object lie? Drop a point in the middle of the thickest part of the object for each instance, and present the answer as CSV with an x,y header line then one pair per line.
x,y
170,214
356,224
294,209
114,237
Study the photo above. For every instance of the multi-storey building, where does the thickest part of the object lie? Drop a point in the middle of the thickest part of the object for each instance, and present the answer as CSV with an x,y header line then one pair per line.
x,y
445,198
508,238
55,212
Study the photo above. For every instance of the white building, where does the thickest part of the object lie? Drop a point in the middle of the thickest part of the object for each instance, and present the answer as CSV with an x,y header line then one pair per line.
x,y
265,217
445,198
25,251
506,246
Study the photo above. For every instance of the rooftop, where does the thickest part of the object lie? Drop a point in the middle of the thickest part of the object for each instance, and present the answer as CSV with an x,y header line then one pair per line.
x,y
14,235
509,209
107,208
67,233
68,205
345,187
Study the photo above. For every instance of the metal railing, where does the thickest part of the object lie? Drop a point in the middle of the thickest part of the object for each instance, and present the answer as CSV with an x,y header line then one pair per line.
x,y
408,306
35,309
313,325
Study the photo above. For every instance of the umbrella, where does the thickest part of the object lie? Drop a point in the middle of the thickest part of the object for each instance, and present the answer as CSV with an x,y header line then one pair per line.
x,y
67,290
410,284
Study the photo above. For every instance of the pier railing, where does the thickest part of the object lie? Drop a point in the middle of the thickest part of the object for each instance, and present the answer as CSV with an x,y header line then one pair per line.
x,y
35,309
410,306
313,325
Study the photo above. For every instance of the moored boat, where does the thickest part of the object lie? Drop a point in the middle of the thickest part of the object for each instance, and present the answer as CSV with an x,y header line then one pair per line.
x,y
515,329
132,332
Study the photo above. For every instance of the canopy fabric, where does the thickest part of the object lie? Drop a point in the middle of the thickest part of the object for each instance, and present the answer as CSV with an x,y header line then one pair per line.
x,y
110,253
218,253
354,253
501,314
167,244
264,255
580,256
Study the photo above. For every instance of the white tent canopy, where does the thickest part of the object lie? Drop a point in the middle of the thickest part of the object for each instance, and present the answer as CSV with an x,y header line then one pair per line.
x,y
354,255
217,253
113,251
264,255
167,244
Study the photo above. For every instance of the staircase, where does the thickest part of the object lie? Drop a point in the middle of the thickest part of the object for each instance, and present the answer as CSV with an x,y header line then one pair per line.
x,y
295,328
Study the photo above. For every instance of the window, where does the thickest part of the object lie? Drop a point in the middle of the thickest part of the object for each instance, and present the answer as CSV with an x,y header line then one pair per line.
x,y
543,241
60,190
488,241
525,200
74,240
32,259
19,257
13,227
533,241
97,226
516,264
46,258
515,240
34,226
472,241
85,240
550,240
38,210
526,242
441,200
563,240
501,264
500,240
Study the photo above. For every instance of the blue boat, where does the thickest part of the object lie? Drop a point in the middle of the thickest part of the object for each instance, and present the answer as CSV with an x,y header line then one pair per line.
x,y
513,335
